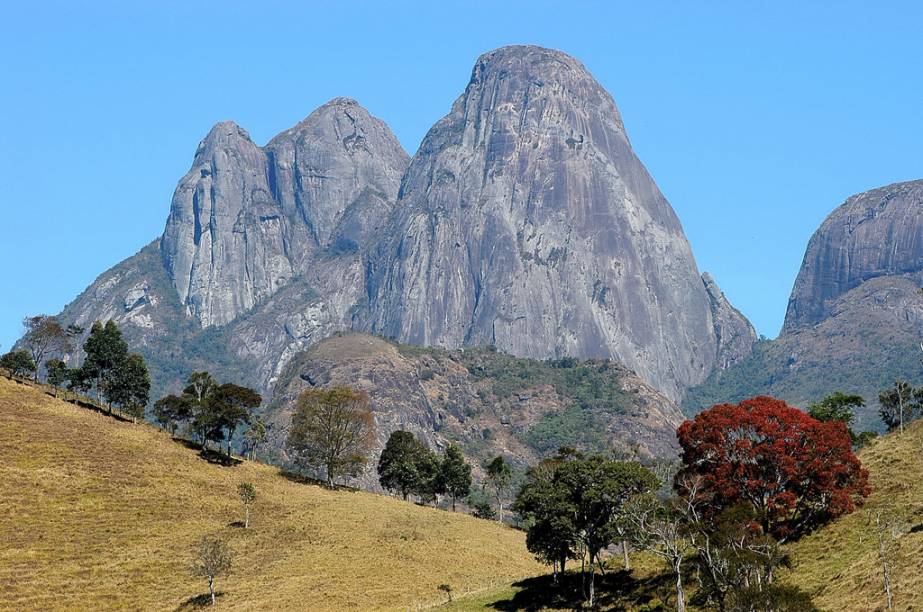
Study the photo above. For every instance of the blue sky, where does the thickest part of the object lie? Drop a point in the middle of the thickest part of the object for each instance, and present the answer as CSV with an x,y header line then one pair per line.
x,y
756,119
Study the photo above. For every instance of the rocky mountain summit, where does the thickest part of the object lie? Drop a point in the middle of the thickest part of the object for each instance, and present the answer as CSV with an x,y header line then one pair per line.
x,y
247,220
525,222
873,234
855,317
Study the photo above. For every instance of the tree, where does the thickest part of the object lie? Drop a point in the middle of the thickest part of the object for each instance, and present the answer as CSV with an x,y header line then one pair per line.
x,y
171,410
57,374
499,475
897,405
17,363
105,351
657,529
247,493
455,473
430,485
198,390
130,386
255,436
44,336
840,407
399,463
599,490
836,407
78,382
794,471
333,430
212,558
229,406
546,509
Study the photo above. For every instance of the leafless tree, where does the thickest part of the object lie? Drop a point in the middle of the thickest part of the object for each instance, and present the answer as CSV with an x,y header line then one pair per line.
x,y
659,530
212,559
44,337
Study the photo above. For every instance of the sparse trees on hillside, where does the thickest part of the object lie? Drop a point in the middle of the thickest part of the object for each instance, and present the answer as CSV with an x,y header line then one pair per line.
x,y
17,363
44,337
572,506
214,411
455,473
247,493
499,474
332,431
212,558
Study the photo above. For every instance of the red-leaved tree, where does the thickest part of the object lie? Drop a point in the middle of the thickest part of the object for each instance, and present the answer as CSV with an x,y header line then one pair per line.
x,y
794,471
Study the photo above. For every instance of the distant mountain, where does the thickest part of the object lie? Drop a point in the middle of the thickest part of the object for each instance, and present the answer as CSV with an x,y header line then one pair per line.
x,y
855,317
525,222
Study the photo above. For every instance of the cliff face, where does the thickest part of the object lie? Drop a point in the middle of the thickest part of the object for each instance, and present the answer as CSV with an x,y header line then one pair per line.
x,y
246,220
526,221
873,234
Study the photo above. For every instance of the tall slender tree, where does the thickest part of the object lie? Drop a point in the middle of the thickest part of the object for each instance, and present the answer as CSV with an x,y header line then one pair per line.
x,y
456,473
105,351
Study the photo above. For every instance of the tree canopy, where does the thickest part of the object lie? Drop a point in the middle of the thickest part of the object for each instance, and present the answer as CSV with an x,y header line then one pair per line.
x,y
794,471
332,431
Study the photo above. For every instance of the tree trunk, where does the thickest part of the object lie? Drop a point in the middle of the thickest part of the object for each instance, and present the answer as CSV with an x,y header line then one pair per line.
x,y
626,559
247,517
680,593
453,502
592,582
211,588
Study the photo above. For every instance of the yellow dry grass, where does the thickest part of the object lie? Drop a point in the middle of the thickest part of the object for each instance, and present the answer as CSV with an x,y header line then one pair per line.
x,y
99,514
839,565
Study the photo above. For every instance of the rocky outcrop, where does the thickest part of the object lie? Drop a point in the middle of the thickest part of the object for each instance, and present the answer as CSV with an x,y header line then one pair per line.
x,y
488,402
526,221
873,234
246,220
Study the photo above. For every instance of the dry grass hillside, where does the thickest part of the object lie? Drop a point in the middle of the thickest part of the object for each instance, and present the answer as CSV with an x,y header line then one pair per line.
x,y
839,566
102,514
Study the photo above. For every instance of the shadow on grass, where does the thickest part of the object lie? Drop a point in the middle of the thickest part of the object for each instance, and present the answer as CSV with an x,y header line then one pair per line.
x,y
199,601
308,480
236,524
614,590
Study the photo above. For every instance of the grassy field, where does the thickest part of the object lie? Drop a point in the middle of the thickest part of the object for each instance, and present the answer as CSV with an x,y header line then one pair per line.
x,y
101,514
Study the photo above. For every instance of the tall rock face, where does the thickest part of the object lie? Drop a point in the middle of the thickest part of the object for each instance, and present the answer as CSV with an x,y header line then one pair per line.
x,y
855,317
246,220
526,221
873,234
